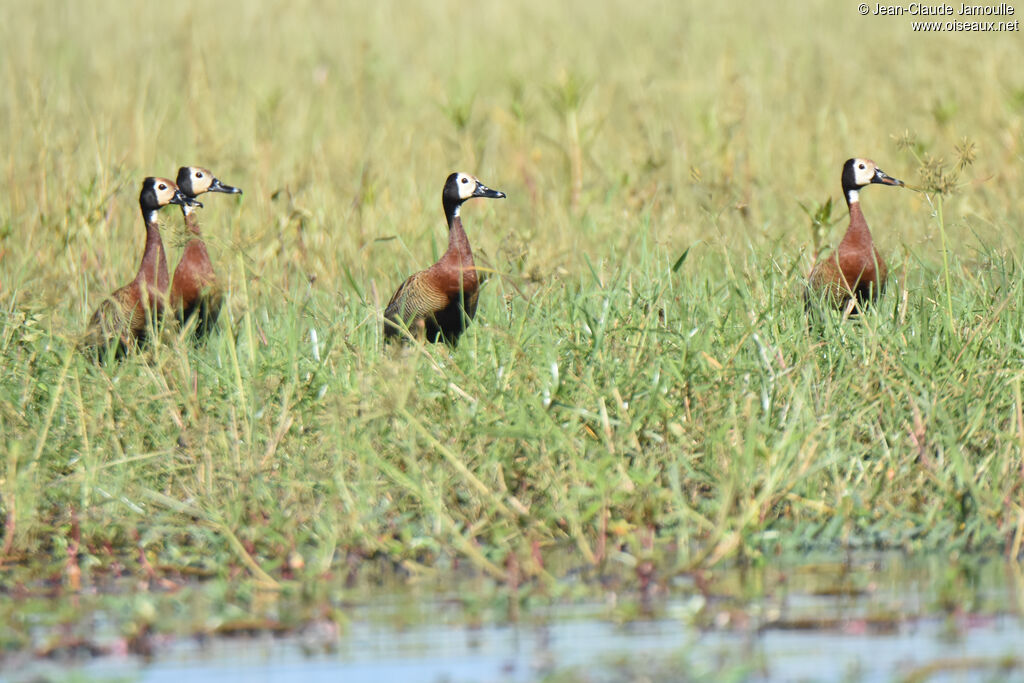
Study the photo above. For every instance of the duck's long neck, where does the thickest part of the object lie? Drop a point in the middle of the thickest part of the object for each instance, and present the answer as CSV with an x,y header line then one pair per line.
x,y
153,269
191,220
458,242
857,232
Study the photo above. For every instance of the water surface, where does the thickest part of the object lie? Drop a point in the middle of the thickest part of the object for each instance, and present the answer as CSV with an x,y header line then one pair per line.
x,y
870,619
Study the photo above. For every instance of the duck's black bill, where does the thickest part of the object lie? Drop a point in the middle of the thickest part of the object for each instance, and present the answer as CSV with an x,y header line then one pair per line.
x,y
218,186
484,191
182,199
884,179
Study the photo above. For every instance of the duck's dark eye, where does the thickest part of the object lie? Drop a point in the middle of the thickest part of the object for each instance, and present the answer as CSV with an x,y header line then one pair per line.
x,y
162,187
465,180
862,167
199,174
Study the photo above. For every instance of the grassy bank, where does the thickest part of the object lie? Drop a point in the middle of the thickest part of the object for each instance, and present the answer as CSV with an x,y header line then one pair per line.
x,y
638,408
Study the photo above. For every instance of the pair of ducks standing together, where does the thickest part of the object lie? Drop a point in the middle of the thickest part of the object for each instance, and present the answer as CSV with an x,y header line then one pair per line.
x,y
437,302
123,319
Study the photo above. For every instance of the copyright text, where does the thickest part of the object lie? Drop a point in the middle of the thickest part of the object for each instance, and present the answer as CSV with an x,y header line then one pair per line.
x,y
952,18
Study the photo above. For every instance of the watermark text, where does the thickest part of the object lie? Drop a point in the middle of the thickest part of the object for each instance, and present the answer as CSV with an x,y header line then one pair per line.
x,y
948,18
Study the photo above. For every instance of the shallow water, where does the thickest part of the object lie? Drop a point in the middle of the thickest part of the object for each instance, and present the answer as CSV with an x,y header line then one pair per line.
x,y
878,620
594,650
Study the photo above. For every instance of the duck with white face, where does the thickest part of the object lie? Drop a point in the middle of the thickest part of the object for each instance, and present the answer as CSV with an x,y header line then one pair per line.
x,y
194,181
859,173
436,303
125,318
855,273
196,294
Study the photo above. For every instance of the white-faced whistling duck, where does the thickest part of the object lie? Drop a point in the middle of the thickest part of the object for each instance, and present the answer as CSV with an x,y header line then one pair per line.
x,y
124,317
437,302
855,271
194,288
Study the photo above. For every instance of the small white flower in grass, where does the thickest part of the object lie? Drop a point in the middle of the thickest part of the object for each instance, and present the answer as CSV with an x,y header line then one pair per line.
x,y
316,344
554,385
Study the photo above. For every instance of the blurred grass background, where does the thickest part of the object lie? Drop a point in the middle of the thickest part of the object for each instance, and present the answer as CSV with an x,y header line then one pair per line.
x,y
604,399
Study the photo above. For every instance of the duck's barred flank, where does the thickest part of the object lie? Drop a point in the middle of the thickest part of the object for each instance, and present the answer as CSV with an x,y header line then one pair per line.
x,y
436,303
855,273
195,291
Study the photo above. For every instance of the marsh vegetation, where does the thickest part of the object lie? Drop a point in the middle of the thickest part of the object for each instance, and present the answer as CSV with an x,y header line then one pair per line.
x,y
639,390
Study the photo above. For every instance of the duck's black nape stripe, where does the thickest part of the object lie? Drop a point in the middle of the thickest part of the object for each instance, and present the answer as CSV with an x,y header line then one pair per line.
x,y
849,176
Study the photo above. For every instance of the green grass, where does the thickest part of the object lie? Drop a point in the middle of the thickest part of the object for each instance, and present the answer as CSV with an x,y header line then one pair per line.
x,y
613,399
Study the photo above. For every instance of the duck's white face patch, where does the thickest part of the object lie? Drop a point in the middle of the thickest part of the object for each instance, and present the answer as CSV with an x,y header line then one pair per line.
x,y
466,184
201,180
164,190
863,171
